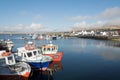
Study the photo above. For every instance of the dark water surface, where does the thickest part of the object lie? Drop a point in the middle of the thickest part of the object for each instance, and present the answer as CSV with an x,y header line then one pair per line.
x,y
83,59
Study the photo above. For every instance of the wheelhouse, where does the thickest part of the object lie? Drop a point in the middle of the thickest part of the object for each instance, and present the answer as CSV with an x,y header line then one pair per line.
x,y
6,60
50,48
28,53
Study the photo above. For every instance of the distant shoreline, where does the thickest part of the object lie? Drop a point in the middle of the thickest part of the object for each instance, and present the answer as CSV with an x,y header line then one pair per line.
x,y
116,39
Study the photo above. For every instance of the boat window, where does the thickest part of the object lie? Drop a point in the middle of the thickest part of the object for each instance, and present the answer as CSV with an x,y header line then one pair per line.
x,y
29,54
48,49
52,49
34,52
10,60
2,62
44,49
24,55
38,52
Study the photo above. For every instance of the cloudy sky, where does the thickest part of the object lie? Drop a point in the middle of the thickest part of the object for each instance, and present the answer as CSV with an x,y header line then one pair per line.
x,y
57,15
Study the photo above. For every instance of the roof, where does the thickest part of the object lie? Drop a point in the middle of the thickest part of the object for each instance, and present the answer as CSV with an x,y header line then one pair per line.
x,y
22,49
48,46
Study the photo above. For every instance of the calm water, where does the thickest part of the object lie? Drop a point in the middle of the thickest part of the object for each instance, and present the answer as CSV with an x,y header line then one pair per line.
x,y
83,59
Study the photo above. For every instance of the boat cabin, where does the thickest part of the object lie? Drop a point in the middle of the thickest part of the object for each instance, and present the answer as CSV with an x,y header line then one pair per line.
x,y
6,58
49,49
23,53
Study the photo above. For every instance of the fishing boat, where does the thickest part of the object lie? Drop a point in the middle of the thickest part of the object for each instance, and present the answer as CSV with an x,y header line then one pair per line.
x,y
6,45
9,67
9,44
32,55
52,51
3,45
34,36
54,37
40,37
48,37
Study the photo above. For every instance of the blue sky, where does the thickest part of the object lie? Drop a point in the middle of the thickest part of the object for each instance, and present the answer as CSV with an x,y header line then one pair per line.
x,y
57,15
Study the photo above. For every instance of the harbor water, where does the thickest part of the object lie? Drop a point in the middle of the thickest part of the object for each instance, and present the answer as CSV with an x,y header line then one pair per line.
x,y
83,59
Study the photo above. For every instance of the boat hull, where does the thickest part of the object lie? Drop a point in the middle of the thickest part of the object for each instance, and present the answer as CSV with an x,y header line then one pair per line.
x,y
55,57
21,69
40,65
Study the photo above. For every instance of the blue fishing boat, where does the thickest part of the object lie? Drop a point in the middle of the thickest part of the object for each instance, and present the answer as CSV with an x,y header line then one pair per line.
x,y
32,55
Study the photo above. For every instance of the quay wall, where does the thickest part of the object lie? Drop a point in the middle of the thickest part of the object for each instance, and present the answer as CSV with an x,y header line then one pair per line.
x,y
101,37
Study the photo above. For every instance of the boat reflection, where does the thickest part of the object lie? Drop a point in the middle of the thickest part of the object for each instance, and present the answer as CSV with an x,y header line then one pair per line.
x,y
54,67
48,74
12,77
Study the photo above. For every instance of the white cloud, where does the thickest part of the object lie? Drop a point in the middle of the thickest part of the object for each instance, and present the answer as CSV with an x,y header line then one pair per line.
x,y
36,26
98,24
109,13
110,16
21,27
81,25
113,22
37,17
85,25
76,18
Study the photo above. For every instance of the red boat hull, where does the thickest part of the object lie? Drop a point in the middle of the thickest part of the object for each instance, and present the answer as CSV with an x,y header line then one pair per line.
x,y
55,57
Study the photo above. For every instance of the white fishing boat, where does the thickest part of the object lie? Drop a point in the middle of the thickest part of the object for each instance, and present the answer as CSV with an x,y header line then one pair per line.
x,y
9,44
32,55
48,37
6,45
9,67
35,36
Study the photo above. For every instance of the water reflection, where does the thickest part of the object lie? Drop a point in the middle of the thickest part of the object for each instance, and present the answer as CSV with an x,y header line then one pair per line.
x,y
12,77
48,74
37,74
105,50
98,43
111,56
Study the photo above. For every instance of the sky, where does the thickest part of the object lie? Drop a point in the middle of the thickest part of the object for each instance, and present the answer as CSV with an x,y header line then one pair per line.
x,y
57,15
